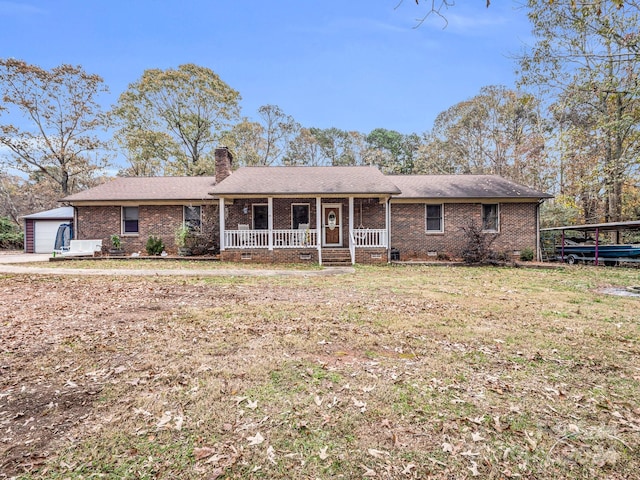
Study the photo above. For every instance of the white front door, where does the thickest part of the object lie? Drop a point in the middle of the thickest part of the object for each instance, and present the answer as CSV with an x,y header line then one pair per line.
x,y
332,225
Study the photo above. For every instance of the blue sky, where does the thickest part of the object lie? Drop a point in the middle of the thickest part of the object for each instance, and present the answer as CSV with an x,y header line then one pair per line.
x,y
351,64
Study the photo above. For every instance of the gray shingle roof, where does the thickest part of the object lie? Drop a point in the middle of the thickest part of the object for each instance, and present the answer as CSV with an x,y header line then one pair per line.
x,y
147,188
60,213
305,180
462,186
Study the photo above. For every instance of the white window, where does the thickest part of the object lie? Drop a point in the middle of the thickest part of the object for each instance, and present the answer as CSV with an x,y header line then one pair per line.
x,y
193,218
490,222
130,220
433,218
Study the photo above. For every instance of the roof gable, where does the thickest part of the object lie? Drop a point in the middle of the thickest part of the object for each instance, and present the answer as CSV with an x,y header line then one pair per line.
x,y
306,180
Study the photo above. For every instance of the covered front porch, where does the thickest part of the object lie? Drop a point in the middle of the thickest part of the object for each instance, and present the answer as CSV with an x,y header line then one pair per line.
x,y
316,229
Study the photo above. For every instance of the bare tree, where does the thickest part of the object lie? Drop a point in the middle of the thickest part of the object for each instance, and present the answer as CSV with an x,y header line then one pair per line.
x,y
54,119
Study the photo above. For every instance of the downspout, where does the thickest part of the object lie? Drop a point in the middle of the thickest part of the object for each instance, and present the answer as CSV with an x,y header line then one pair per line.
x,y
319,228
538,245
352,247
222,225
387,219
270,222
74,234
597,241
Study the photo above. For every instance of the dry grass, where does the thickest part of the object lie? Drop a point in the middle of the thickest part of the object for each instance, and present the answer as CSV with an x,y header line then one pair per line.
x,y
393,372
159,263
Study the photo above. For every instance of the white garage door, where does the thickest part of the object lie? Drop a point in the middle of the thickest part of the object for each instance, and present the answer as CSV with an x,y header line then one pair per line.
x,y
45,234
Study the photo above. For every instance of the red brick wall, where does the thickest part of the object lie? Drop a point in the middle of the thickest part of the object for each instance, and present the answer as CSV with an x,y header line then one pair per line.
x,y
296,255
263,255
408,231
29,233
158,220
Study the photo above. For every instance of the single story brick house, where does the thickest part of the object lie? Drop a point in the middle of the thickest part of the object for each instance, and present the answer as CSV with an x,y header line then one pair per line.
x,y
327,215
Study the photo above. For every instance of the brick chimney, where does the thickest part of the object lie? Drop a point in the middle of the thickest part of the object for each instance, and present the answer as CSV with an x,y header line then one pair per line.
x,y
223,163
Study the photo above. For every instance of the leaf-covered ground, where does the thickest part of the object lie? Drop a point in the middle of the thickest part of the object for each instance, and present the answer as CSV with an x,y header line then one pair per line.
x,y
391,372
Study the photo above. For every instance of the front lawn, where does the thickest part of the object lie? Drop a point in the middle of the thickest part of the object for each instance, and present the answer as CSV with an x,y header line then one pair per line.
x,y
391,372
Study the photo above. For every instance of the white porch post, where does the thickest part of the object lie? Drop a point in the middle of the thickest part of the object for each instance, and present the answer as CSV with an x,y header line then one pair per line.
x,y
387,225
222,227
270,216
319,228
350,218
352,246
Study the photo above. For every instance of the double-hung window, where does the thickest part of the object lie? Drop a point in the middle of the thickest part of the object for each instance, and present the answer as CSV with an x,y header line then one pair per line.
x,y
193,218
490,219
130,220
433,218
299,215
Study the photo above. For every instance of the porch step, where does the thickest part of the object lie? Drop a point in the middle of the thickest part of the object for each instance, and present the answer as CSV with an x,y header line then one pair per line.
x,y
336,257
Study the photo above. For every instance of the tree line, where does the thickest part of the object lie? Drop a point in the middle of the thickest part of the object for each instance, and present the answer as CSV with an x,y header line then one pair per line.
x,y
571,128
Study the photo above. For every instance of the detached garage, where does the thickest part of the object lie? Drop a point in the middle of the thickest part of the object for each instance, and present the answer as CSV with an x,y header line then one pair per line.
x,y
40,229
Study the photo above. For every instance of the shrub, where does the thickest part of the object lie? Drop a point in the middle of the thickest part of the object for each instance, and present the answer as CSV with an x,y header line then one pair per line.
x,y
478,247
154,245
11,238
526,254
116,243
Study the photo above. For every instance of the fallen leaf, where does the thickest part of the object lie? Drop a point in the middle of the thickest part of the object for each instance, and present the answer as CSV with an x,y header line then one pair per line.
x,y
257,439
252,404
474,469
447,447
317,400
361,405
532,443
218,472
476,437
377,453
203,452
368,472
407,469
323,453
496,424
271,455
179,422
469,453
166,418
140,411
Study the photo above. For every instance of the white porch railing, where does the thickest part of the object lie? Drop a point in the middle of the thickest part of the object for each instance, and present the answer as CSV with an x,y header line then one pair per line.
x,y
246,238
370,237
295,238
260,238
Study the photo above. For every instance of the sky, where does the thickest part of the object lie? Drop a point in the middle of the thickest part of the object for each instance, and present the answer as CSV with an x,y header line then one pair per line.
x,y
350,64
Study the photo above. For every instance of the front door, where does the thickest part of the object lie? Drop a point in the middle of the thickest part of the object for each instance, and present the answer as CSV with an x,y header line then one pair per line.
x,y
332,225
